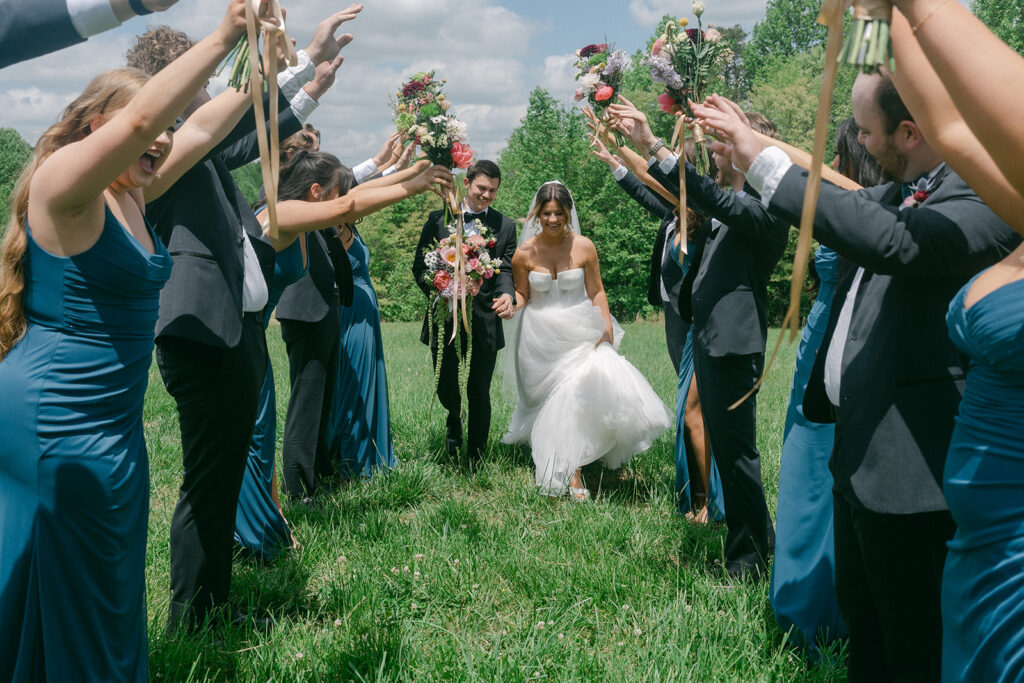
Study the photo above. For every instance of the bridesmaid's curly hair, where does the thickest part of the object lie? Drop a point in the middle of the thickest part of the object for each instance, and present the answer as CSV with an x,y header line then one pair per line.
x,y
106,92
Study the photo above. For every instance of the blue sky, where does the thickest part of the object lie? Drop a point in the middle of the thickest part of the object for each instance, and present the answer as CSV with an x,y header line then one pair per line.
x,y
493,52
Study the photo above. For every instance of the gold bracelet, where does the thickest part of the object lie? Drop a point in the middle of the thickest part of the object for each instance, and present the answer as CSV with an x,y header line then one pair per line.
x,y
931,14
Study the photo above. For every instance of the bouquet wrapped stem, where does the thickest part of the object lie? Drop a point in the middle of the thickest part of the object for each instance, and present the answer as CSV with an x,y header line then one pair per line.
x,y
869,44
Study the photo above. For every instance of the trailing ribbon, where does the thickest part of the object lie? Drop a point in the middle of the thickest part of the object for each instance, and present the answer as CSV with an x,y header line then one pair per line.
x,y
275,36
454,202
832,17
678,144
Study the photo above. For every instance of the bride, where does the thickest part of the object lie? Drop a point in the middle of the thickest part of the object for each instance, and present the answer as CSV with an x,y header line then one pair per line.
x,y
579,401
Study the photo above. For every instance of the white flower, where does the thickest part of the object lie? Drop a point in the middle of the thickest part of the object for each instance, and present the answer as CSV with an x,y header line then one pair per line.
x,y
712,35
337,623
589,82
426,140
698,8
419,556
456,129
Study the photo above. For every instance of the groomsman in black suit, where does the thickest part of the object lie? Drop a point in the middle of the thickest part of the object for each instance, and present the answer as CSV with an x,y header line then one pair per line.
x,y
211,346
32,28
725,290
494,302
887,373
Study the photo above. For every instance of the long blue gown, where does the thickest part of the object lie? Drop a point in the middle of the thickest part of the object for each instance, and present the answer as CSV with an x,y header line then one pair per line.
x,y
74,474
260,529
983,582
359,426
716,501
802,590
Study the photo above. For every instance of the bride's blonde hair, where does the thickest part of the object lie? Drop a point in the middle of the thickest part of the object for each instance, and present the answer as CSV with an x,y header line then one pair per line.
x,y
108,91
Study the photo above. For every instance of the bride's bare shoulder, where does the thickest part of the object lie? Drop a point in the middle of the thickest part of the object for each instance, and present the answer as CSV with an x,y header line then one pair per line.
x,y
584,246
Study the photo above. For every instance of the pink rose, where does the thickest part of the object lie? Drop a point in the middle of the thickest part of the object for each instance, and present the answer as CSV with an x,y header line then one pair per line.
x,y
488,274
474,264
442,280
656,48
462,155
579,95
667,103
604,93
445,241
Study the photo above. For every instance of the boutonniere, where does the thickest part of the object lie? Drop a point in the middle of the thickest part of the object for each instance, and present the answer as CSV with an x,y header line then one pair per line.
x,y
915,200
475,223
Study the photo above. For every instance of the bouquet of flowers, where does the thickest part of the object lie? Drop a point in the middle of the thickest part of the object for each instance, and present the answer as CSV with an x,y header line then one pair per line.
x,y
421,112
480,266
600,70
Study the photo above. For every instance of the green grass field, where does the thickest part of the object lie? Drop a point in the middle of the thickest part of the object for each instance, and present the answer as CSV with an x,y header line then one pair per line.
x,y
433,573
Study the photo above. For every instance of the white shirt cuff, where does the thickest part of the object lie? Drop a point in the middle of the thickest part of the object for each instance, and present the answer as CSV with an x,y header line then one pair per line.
x,y
303,105
364,171
389,170
90,17
765,174
668,163
291,80
620,172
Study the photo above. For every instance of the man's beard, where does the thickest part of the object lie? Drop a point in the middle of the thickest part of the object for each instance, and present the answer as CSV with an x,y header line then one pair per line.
x,y
893,163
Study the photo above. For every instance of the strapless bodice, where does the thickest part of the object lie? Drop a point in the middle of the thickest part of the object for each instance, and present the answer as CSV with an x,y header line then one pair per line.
x,y
565,290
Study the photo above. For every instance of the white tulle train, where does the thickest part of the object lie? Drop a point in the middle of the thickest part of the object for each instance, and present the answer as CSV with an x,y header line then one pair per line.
x,y
577,403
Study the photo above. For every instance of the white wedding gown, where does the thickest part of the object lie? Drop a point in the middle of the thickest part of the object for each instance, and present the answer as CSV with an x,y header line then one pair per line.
x,y
577,403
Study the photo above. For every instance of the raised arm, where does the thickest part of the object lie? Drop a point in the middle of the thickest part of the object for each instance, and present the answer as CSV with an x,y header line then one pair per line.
x,y
944,127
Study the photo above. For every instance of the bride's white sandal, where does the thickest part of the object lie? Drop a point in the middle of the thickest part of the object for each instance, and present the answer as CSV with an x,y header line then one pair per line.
x,y
579,495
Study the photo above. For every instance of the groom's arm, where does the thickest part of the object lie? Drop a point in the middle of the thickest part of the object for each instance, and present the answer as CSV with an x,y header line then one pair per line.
x,y
503,282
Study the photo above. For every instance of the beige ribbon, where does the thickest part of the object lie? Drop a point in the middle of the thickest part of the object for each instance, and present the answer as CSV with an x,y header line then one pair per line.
x,y
275,37
458,302
678,143
832,17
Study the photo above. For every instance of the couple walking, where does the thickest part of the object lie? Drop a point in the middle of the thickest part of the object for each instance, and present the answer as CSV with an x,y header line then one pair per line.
x,y
579,401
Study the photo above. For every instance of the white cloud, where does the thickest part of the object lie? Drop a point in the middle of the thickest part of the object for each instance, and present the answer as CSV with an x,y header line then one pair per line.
x,y
559,76
745,12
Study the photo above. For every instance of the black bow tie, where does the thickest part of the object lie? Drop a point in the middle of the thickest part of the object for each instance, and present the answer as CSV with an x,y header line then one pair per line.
x,y
468,217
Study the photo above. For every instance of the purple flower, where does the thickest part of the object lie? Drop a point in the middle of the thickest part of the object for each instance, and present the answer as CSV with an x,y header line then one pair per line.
x,y
617,61
662,71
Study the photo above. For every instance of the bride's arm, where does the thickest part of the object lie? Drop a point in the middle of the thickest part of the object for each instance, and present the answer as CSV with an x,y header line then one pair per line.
x,y
595,288
521,279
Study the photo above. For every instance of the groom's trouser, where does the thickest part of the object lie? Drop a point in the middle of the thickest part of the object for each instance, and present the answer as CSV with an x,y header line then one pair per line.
x,y
217,393
733,433
478,390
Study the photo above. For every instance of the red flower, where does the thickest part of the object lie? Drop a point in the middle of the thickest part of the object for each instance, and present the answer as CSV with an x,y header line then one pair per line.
x,y
920,196
604,93
492,244
462,155
412,87
591,50
694,34
442,279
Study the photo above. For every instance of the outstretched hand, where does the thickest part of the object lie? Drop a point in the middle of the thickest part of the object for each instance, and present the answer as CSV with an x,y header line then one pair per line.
x,y
325,47
725,120
387,151
632,123
405,158
437,179
599,150
324,78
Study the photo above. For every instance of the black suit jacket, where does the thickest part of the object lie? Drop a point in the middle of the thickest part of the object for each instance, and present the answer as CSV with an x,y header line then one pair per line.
x,y
487,328
315,294
901,377
662,272
728,286
198,219
31,28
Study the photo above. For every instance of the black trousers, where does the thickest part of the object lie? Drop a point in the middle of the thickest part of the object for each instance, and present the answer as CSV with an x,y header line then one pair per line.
x,y
313,368
217,391
750,539
888,583
478,389
675,335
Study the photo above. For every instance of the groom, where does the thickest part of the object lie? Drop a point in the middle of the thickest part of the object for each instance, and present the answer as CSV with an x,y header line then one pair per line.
x,y
495,300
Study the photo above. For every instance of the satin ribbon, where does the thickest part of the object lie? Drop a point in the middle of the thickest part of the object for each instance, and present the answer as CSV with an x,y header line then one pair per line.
x,y
274,36
454,205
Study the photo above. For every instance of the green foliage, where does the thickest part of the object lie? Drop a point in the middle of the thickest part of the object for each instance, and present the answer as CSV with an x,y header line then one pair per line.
x,y
391,236
735,79
550,144
1005,18
250,180
789,28
787,93
777,299
14,153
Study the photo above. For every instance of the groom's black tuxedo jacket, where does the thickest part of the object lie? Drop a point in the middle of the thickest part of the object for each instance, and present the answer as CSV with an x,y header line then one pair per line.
x,y
901,377
728,285
486,325
199,220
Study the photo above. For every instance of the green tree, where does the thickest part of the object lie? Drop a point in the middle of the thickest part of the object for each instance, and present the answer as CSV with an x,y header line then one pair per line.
x,y
249,179
14,153
789,28
1005,18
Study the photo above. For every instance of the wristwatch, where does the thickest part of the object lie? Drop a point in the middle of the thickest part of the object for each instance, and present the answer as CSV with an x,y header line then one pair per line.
x,y
657,145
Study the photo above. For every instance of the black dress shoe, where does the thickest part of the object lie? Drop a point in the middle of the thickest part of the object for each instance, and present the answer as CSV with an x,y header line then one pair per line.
x,y
452,446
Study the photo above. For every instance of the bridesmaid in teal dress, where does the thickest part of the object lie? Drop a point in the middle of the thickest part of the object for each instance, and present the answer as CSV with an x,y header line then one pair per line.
x,y
80,280
359,427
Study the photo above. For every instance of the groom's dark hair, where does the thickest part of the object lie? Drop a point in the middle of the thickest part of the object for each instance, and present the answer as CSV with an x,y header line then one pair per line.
x,y
487,168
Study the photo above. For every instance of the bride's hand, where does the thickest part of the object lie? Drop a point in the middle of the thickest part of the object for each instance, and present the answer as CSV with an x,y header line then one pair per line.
x,y
608,336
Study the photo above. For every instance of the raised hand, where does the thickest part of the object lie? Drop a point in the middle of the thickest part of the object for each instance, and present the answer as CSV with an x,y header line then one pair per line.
x,y
325,47
387,151
232,26
726,121
405,158
437,179
598,149
632,123
324,78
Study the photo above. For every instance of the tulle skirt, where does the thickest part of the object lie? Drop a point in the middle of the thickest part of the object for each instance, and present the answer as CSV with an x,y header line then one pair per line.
x,y
578,403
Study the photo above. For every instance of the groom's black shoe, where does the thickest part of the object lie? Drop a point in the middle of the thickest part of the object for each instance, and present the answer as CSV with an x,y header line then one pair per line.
x,y
453,438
